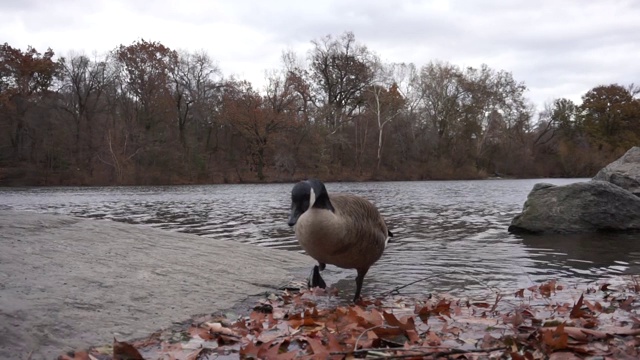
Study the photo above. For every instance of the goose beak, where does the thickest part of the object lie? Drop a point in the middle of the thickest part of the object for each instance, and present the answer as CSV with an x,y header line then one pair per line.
x,y
293,217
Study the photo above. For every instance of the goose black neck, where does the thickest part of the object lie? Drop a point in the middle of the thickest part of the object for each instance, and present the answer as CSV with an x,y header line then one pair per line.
x,y
322,196
323,202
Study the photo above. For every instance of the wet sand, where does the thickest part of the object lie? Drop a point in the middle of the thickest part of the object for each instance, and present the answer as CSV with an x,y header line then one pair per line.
x,y
68,283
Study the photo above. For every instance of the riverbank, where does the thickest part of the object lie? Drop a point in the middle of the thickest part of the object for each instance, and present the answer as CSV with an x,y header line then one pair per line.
x,y
69,283
13,177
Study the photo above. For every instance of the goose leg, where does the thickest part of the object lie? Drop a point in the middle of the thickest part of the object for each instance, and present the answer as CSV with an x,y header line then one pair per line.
x,y
359,280
315,280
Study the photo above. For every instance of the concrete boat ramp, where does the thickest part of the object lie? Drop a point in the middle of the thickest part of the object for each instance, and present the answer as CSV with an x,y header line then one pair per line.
x,y
69,283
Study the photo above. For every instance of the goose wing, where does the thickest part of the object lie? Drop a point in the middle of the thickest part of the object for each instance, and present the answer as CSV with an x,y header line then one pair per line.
x,y
362,218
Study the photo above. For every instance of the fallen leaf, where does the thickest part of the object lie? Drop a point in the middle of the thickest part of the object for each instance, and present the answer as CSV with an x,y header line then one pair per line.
x,y
218,328
125,351
443,307
392,320
563,355
555,338
319,350
249,350
267,336
200,332
75,355
366,319
413,336
576,311
515,320
298,320
626,305
432,339
481,304
547,288
489,342
269,350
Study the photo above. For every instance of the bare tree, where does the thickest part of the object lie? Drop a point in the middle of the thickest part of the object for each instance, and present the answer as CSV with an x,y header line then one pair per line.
x,y
341,69
196,84
82,88
387,98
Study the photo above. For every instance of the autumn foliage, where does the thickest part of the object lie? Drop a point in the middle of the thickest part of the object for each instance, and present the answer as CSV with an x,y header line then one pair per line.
x,y
147,114
544,321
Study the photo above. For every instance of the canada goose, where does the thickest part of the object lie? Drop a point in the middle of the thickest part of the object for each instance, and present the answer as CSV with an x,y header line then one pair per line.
x,y
345,230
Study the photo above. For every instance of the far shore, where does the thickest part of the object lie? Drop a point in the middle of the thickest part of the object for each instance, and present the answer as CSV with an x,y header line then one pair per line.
x,y
7,184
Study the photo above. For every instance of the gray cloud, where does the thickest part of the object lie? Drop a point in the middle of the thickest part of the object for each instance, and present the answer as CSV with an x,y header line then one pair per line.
x,y
558,48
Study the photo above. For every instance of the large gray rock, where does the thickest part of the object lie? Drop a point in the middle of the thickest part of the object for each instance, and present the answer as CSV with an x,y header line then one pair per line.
x,y
69,283
624,172
580,207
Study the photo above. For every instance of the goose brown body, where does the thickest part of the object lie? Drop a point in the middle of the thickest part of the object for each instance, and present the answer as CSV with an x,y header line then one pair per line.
x,y
352,237
343,230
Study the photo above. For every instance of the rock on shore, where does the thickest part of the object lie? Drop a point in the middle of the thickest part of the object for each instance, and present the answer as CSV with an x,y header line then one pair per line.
x,y
609,202
624,172
580,207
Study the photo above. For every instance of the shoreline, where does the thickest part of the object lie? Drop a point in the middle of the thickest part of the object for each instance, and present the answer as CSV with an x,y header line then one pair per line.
x,y
290,181
68,283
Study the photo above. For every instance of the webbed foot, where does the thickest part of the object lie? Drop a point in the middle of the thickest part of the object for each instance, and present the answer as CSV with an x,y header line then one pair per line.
x,y
315,280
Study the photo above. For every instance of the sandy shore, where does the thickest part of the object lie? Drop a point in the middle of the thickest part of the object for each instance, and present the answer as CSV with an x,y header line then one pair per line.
x,y
68,283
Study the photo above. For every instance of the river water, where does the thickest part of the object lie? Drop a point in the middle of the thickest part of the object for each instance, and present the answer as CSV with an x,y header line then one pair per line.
x,y
450,235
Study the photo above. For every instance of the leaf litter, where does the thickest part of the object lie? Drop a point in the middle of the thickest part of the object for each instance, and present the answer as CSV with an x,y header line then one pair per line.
x,y
544,321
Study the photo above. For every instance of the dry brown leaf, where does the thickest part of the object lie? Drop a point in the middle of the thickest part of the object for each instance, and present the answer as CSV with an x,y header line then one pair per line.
x,y
287,356
75,355
576,311
563,355
547,288
365,318
443,307
333,343
204,334
267,336
413,336
481,305
432,339
269,350
218,328
249,350
583,334
319,350
556,338
195,355
392,320
626,305
515,320
125,351
297,321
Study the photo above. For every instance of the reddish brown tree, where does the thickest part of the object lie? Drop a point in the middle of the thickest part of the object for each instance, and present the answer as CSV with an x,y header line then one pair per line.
x,y
26,78
611,116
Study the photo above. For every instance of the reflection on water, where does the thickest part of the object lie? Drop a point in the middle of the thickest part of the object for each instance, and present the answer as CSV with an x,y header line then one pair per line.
x,y
453,232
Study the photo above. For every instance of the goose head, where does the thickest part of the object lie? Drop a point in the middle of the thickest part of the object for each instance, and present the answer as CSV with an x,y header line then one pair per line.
x,y
308,194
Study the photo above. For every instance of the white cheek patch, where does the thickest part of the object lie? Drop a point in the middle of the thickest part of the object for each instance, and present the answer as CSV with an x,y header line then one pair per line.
x,y
312,198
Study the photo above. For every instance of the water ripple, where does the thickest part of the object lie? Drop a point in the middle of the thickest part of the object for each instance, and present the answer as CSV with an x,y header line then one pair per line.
x,y
450,233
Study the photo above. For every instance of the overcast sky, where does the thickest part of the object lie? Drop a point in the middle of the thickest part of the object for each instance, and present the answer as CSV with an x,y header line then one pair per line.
x,y
559,48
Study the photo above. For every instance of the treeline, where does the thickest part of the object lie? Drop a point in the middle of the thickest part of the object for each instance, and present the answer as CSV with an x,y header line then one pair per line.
x,y
147,114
